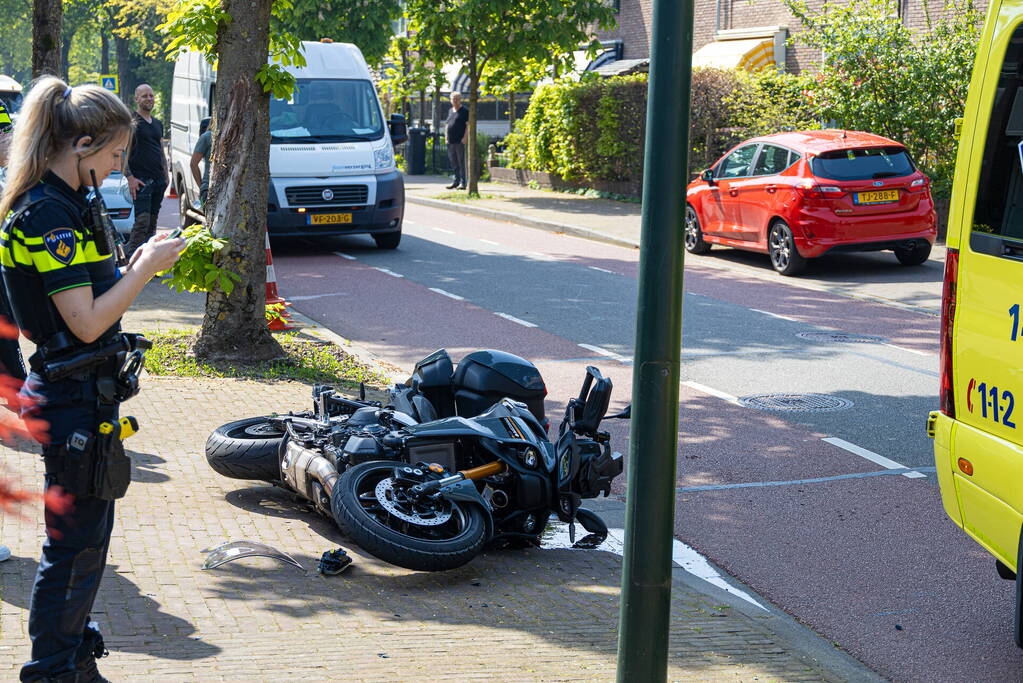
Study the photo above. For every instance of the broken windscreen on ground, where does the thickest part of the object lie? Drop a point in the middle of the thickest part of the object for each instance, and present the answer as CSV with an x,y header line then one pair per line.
x,y
236,550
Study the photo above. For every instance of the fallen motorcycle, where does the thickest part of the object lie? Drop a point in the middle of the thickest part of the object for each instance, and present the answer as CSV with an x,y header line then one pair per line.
x,y
457,460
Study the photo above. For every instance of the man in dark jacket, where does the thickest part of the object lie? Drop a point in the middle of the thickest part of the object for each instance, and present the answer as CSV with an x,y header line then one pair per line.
x,y
457,129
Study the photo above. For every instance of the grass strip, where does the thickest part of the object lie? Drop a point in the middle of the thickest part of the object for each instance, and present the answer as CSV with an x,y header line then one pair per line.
x,y
304,360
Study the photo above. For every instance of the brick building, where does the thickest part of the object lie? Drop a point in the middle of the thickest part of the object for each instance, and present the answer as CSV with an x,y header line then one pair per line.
x,y
732,32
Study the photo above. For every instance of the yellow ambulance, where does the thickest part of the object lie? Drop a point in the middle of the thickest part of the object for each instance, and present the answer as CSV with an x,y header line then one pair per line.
x,y
978,432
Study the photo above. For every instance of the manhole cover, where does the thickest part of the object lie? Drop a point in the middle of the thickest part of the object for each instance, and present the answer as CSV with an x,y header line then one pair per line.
x,y
842,337
808,403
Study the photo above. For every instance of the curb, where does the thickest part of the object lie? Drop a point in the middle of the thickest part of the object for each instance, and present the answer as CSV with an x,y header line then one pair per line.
x,y
509,217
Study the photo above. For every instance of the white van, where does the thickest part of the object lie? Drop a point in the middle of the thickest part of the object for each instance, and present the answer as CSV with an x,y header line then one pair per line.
x,y
332,169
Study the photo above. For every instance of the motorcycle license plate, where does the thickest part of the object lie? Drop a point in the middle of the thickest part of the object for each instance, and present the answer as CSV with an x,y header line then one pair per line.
x,y
879,197
329,218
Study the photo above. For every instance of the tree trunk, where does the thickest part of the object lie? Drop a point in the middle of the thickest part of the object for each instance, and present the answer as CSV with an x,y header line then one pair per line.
x,y
47,17
511,111
65,51
104,55
125,75
470,143
437,85
234,327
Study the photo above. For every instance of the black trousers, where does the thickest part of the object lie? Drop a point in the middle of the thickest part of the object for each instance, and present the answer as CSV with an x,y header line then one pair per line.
x,y
147,209
75,550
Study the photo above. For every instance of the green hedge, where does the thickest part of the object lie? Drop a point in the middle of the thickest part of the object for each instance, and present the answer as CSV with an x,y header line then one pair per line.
x,y
583,130
594,130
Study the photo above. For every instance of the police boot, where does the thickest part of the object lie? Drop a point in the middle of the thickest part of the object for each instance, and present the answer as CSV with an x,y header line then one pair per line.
x,y
86,668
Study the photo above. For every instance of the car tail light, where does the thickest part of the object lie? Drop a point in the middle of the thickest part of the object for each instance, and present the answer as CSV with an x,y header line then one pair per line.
x,y
948,314
919,185
811,189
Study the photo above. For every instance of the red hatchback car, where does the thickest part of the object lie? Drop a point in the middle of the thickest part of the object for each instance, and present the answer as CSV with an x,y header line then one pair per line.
x,y
797,196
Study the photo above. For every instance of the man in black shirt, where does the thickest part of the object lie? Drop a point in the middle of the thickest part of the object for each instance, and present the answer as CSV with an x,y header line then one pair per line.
x,y
146,171
457,128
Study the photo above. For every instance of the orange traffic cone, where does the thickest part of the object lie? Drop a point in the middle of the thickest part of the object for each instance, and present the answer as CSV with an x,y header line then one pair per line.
x,y
172,192
280,322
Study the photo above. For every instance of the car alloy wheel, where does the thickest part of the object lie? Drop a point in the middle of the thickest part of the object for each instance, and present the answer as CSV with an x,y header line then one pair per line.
x,y
782,248
692,236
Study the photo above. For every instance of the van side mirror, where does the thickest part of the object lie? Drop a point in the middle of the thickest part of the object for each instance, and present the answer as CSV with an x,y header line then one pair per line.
x,y
398,128
708,176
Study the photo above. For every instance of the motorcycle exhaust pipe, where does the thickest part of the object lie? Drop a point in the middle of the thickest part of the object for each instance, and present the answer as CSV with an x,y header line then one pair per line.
x,y
309,474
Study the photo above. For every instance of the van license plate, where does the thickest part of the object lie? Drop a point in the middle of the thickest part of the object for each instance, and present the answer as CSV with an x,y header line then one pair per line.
x,y
880,197
329,218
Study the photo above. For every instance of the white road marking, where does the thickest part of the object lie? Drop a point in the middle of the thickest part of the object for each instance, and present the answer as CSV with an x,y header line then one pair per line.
x,y
447,294
520,321
713,392
344,255
903,348
834,441
871,456
775,315
681,554
496,244
447,232
315,296
602,270
388,272
606,352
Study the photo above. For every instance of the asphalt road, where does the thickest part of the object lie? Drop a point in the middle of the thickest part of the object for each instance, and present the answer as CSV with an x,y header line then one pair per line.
x,y
821,528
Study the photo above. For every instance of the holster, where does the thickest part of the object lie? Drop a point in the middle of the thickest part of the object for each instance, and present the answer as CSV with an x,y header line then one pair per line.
x,y
91,465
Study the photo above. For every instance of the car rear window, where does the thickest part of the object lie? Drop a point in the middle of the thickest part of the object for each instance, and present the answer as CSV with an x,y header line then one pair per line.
x,y
862,164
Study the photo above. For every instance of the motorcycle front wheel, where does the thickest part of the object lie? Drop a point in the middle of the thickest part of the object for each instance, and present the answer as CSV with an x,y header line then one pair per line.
x,y
430,535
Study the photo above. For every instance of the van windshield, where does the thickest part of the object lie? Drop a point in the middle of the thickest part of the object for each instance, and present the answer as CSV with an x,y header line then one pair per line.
x,y
11,100
327,110
862,164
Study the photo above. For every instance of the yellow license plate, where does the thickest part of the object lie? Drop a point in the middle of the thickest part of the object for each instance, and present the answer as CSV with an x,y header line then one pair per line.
x,y
329,218
879,197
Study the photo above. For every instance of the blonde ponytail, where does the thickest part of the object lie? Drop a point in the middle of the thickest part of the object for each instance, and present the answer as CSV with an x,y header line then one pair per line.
x,y
52,117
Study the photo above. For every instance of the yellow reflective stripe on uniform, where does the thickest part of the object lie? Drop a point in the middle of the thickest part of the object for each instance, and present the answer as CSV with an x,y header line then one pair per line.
x,y
16,233
5,118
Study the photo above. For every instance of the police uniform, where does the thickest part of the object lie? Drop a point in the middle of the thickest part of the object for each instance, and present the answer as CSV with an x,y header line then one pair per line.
x,y
10,353
46,247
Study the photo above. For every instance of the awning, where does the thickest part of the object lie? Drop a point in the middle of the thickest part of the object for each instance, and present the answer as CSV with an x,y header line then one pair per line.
x,y
752,55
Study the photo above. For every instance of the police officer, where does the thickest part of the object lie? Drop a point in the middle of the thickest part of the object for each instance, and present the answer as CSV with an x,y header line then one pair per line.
x,y
68,296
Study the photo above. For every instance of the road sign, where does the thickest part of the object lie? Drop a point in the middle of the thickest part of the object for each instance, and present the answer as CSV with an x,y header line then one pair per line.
x,y
109,81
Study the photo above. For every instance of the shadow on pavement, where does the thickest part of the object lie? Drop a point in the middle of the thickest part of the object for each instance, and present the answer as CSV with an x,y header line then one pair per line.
x,y
120,609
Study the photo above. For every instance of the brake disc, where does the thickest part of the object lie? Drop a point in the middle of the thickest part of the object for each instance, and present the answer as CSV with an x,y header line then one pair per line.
x,y
263,429
386,493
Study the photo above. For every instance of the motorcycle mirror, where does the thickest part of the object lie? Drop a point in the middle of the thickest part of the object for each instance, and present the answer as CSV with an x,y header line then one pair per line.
x,y
624,415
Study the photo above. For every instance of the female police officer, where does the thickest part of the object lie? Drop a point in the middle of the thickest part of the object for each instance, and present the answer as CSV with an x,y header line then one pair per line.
x,y
65,292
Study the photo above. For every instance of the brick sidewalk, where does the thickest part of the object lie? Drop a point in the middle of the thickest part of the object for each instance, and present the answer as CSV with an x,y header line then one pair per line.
x,y
536,615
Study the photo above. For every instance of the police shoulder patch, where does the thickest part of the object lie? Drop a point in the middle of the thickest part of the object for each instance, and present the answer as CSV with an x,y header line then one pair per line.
x,y
61,244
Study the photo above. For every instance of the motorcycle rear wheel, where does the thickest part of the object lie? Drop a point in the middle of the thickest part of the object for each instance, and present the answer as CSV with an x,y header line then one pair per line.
x,y
428,546
246,449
